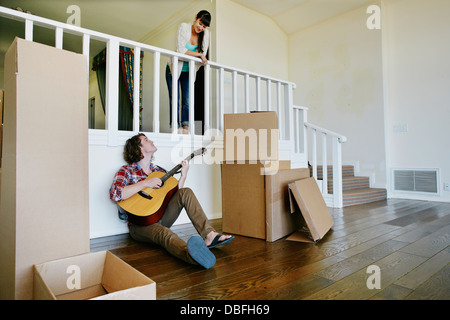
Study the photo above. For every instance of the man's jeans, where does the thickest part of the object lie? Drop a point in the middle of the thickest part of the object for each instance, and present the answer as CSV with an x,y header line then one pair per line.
x,y
159,233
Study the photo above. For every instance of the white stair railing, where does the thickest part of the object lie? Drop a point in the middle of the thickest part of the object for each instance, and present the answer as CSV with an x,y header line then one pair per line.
x,y
307,142
212,111
294,128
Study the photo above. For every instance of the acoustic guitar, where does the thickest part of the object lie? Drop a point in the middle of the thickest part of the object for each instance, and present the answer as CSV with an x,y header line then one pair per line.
x,y
148,205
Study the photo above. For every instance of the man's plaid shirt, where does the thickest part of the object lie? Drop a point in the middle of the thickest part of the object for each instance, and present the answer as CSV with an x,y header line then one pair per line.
x,y
127,175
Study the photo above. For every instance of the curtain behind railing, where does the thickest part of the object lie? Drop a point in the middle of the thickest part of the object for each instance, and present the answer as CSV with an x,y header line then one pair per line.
x,y
126,86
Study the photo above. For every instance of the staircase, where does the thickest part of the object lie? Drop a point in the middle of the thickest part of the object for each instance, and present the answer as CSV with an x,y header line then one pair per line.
x,y
356,190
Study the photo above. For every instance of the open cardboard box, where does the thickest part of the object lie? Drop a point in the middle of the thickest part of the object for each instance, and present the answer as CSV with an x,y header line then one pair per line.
x,y
305,197
99,276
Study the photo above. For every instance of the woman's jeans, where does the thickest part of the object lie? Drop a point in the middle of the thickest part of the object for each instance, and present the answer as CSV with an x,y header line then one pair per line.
x,y
183,82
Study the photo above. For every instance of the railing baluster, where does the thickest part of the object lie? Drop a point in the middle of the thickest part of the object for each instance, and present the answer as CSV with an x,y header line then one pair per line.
x,y
175,95
112,90
314,152
258,93
191,96
59,38
337,173
247,92
28,30
207,97
324,164
288,118
221,96
156,85
86,44
234,93
279,105
136,88
269,95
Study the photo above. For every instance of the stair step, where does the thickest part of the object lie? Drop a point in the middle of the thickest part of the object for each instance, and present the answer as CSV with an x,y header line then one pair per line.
x,y
363,195
347,171
356,190
351,183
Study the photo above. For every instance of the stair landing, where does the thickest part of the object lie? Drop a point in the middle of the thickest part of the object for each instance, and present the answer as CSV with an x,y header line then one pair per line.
x,y
356,190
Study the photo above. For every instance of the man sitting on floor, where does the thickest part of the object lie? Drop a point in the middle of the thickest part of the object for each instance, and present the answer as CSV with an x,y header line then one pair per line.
x,y
131,178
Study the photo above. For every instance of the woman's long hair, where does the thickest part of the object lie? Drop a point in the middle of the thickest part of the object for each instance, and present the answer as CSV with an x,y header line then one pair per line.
x,y
205,18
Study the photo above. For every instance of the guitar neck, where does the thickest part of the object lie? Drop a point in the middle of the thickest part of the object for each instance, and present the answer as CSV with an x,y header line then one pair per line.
x,y
175,169
170,173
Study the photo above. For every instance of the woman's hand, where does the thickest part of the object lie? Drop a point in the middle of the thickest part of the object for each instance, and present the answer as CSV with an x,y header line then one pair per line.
x,y
203,58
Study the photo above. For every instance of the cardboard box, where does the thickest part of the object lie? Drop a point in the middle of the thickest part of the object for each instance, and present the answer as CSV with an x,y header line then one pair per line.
x,y
307,201
44,212
257,205
99,276
251,137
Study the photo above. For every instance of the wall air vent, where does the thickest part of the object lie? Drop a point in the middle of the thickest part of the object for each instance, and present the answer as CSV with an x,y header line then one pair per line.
x,y
416,180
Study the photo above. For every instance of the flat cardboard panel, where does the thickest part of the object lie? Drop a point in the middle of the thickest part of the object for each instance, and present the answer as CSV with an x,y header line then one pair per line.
x,y
251,136
103,277
45,197
279,221
318,219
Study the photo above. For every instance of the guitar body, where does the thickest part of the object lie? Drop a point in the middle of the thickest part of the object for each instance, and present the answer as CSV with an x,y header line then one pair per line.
x,y
148,206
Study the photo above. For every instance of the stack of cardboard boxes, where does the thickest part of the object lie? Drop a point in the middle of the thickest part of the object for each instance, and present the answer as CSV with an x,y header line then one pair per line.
x,y
262,197
44,215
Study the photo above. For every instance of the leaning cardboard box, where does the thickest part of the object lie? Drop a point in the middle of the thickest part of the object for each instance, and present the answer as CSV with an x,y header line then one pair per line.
x,y
99,276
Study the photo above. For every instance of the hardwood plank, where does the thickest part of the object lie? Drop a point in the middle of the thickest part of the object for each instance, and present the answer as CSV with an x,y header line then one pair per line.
x,y
426,270
408,239
431,244
362,260
354,286
436,288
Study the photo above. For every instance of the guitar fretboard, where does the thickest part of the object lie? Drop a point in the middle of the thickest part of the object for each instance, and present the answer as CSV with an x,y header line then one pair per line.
x,y
176,168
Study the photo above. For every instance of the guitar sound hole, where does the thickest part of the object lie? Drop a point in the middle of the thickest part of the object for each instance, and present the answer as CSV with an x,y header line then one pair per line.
x,y
145,195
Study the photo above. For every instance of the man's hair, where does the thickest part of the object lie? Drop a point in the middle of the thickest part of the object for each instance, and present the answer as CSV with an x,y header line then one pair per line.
x,y
132,151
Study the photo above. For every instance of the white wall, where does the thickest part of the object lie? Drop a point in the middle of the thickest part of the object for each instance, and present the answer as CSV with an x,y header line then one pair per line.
x,y
105,161
337,67
250,41
417,54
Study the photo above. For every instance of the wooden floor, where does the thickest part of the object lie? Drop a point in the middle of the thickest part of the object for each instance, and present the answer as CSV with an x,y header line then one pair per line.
x,y
408,240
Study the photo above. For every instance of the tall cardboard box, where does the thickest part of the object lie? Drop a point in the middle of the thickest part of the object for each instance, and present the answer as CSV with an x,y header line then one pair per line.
x,y
255,204
44,210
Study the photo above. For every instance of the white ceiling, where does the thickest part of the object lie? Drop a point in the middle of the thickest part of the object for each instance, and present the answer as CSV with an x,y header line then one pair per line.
x,y
134,19
295,15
